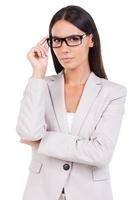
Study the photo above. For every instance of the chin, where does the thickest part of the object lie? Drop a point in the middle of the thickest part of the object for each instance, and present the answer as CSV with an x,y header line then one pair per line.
x,y
70,67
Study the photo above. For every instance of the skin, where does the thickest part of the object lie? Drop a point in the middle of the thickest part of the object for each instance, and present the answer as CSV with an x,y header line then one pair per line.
x,y
76,69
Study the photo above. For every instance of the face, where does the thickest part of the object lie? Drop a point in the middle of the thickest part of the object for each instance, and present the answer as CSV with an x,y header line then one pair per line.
x,y
68,56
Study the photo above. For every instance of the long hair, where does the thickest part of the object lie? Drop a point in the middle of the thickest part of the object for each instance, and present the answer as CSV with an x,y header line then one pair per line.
x,y
82,20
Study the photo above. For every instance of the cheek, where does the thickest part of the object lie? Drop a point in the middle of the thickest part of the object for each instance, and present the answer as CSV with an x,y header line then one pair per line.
x,y
83,52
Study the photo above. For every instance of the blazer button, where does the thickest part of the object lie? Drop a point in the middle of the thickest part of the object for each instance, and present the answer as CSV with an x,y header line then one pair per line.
x,y
66,166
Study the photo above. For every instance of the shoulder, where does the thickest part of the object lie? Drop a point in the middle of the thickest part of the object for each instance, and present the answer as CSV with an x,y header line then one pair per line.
x,y
114,88
52,77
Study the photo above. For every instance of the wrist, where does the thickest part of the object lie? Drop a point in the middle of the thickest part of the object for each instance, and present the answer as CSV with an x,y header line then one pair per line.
x,y
39,74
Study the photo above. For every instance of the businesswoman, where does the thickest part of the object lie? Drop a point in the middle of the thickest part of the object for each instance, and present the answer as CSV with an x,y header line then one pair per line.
x,y
71,119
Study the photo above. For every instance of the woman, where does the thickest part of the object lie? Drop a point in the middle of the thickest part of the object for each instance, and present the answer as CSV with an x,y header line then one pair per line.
x,y
72,119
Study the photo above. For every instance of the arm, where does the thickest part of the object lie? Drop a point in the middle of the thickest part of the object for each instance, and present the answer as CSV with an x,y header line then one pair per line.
x,y
96,151
30,123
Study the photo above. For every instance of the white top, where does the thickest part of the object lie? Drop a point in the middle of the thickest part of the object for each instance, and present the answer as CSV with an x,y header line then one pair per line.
x,y
70,117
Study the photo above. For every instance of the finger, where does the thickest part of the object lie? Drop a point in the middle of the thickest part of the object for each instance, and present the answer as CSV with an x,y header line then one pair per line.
x,y
45,44
41,42
24,141
37,51
27,142
44,49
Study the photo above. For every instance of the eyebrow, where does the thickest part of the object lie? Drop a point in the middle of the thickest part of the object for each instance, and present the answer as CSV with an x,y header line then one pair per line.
x,y
54,36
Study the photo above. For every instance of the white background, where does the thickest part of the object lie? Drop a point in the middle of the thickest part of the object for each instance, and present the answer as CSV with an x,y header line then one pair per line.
x,y
22,25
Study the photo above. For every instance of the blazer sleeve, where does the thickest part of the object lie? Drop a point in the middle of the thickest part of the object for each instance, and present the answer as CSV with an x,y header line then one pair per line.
x,y
30,122
95,151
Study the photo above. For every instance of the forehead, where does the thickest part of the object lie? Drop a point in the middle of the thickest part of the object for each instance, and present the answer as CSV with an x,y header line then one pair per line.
x,y
64,28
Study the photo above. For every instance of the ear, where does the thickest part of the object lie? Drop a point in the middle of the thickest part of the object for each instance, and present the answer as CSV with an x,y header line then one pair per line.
x,y
91,42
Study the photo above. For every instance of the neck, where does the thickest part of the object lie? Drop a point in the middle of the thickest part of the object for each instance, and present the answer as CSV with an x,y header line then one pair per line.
x,y
74,77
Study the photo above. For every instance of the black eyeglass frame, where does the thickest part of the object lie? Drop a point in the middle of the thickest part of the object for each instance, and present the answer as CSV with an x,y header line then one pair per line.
x,y
49,40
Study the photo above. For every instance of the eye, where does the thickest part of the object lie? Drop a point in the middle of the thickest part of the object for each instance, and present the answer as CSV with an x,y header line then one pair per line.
x,y
56,40
73,38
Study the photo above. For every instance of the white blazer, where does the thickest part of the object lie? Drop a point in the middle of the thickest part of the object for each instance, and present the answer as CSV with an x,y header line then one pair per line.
x,y
77,160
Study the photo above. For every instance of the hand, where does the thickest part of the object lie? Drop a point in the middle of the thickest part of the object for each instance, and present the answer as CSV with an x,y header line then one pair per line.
x,y
38,57
31,143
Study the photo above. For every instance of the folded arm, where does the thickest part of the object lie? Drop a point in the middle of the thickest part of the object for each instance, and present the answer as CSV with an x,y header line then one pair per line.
x,y
98,149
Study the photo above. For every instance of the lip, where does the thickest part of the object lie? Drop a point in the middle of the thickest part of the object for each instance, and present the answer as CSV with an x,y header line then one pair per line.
x,y
66,59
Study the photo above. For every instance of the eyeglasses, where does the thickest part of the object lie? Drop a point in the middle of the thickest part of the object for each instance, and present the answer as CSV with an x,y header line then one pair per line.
x,y
71,41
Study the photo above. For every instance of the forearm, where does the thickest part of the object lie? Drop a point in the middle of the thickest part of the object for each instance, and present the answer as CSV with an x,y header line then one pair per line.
x,y
31,119
75,149
96,150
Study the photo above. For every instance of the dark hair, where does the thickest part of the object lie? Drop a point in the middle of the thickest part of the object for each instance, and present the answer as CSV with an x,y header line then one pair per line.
x,y
82,20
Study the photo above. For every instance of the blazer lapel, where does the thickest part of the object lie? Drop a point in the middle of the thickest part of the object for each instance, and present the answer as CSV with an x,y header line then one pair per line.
x,y
58,100
90,92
